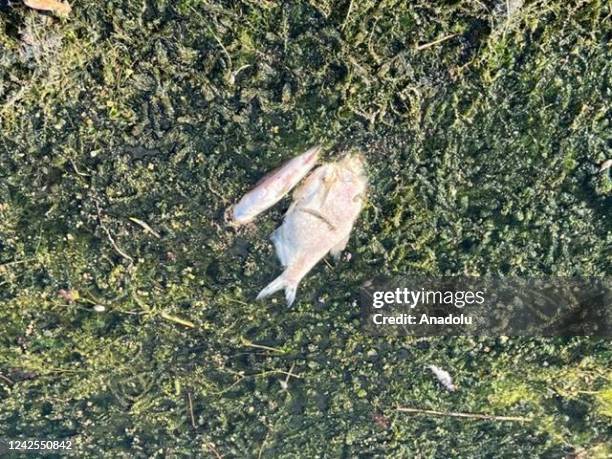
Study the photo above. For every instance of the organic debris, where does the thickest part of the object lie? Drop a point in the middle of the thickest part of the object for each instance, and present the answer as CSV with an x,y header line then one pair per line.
x,y
443,377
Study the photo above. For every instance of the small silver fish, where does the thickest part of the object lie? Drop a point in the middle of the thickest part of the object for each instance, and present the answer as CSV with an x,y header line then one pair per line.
x,y
443,377
272,187
319,221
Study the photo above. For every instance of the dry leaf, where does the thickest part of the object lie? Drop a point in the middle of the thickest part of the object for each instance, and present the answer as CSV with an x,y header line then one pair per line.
x,y
55,6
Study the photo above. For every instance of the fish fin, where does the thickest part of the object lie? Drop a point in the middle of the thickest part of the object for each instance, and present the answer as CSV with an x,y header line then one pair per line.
x,y
280,283
311,185
281,246
339,247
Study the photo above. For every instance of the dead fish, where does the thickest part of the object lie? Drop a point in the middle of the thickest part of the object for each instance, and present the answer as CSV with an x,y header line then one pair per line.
x,y
443,377
271,188
319,221
53,6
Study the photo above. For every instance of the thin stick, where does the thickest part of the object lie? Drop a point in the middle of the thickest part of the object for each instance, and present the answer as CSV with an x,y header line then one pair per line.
x,y
7,379
488,417
177,320
248,343
193,424
215,452
289,374
110,238
435,42
234,74
145,226
229,58
114,244
263,444
348,14
16,262
74,166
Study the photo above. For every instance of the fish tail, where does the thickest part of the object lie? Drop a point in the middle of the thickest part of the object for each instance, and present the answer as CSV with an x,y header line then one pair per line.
x,y
280,283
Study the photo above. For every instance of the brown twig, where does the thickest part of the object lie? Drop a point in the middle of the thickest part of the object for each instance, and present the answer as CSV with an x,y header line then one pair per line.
x,y
487,417
7,379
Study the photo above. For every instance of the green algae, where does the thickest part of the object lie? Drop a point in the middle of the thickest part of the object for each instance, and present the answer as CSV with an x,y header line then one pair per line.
x,y
484,129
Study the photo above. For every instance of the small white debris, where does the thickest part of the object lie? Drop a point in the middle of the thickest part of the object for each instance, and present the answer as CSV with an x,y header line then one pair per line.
x,y
605,165
443,377
99,308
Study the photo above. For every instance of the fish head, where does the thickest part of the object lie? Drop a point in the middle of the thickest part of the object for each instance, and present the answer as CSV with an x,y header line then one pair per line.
x,y
273,187
247,209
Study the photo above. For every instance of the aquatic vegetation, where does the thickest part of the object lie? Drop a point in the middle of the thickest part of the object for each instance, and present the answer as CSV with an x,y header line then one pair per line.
x,y
484,126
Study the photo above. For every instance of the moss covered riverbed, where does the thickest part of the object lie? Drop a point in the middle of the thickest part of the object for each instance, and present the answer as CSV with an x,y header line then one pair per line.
x,y
127,315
